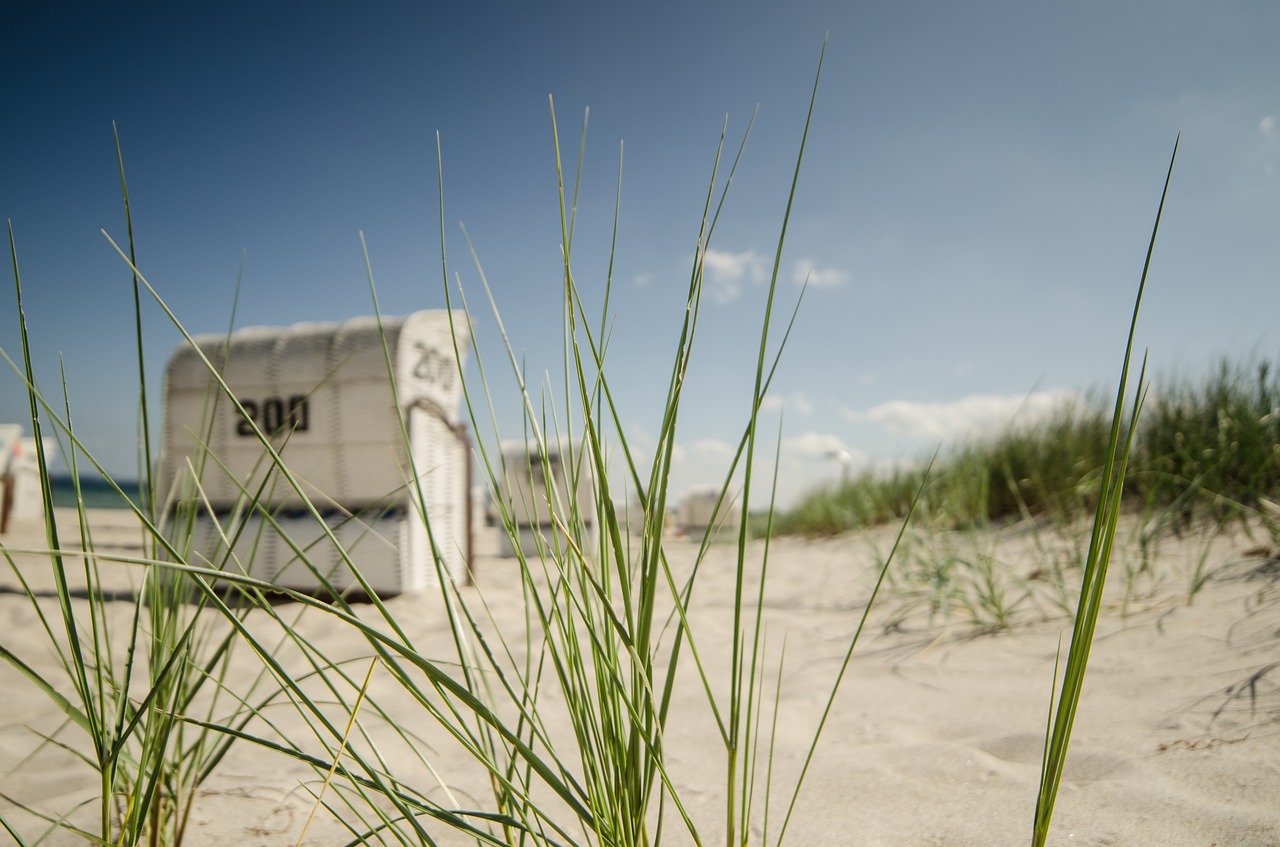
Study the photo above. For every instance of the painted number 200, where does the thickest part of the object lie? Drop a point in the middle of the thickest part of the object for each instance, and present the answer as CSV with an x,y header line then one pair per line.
x,y
274,415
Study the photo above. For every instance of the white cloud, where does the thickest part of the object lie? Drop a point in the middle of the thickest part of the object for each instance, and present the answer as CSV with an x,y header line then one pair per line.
x,y
798,403
805,460
805,270
727,272
698,465
1268,126
709,448
822,445
643,280
967,416
813,459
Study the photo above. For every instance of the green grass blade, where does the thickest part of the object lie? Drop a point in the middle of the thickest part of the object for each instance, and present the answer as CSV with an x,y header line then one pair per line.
x,y
1111,489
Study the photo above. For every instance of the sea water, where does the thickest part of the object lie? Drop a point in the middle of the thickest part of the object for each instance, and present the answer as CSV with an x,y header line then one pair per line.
x,y
94,491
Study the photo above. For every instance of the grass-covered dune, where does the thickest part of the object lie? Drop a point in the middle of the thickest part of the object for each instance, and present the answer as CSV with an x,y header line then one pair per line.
x,y
1207,446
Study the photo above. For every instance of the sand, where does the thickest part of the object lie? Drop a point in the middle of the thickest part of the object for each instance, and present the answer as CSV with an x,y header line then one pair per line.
x,y
935,738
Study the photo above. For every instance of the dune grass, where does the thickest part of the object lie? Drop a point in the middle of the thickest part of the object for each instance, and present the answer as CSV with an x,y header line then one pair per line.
x,y
1110,502
1203,459
125,683
1204,449
609,633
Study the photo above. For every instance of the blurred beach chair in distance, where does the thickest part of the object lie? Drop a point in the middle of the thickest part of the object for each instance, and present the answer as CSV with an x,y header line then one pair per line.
x,y
21,488
697,514
540,488
363,415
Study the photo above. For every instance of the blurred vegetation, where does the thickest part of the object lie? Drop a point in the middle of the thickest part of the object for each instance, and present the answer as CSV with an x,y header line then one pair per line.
x,y
1208,447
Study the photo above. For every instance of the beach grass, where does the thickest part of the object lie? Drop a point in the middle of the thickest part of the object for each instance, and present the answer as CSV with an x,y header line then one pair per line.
x,y
1110,504
125,683
1205,449
1203,461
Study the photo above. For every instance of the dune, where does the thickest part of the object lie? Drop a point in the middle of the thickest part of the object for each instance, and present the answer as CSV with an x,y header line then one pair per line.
x,y
934,739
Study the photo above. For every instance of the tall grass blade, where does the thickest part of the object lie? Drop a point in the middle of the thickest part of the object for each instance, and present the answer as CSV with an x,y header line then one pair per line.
x,y
1106,518
147,492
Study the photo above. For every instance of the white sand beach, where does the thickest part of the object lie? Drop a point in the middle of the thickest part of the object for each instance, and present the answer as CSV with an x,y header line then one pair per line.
x,y
934,739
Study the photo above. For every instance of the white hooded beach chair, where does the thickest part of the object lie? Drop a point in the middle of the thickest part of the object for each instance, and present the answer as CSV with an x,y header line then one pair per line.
x,y
363,416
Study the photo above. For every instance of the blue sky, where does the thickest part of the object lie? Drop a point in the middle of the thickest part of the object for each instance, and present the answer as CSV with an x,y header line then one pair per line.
x,y
973,210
